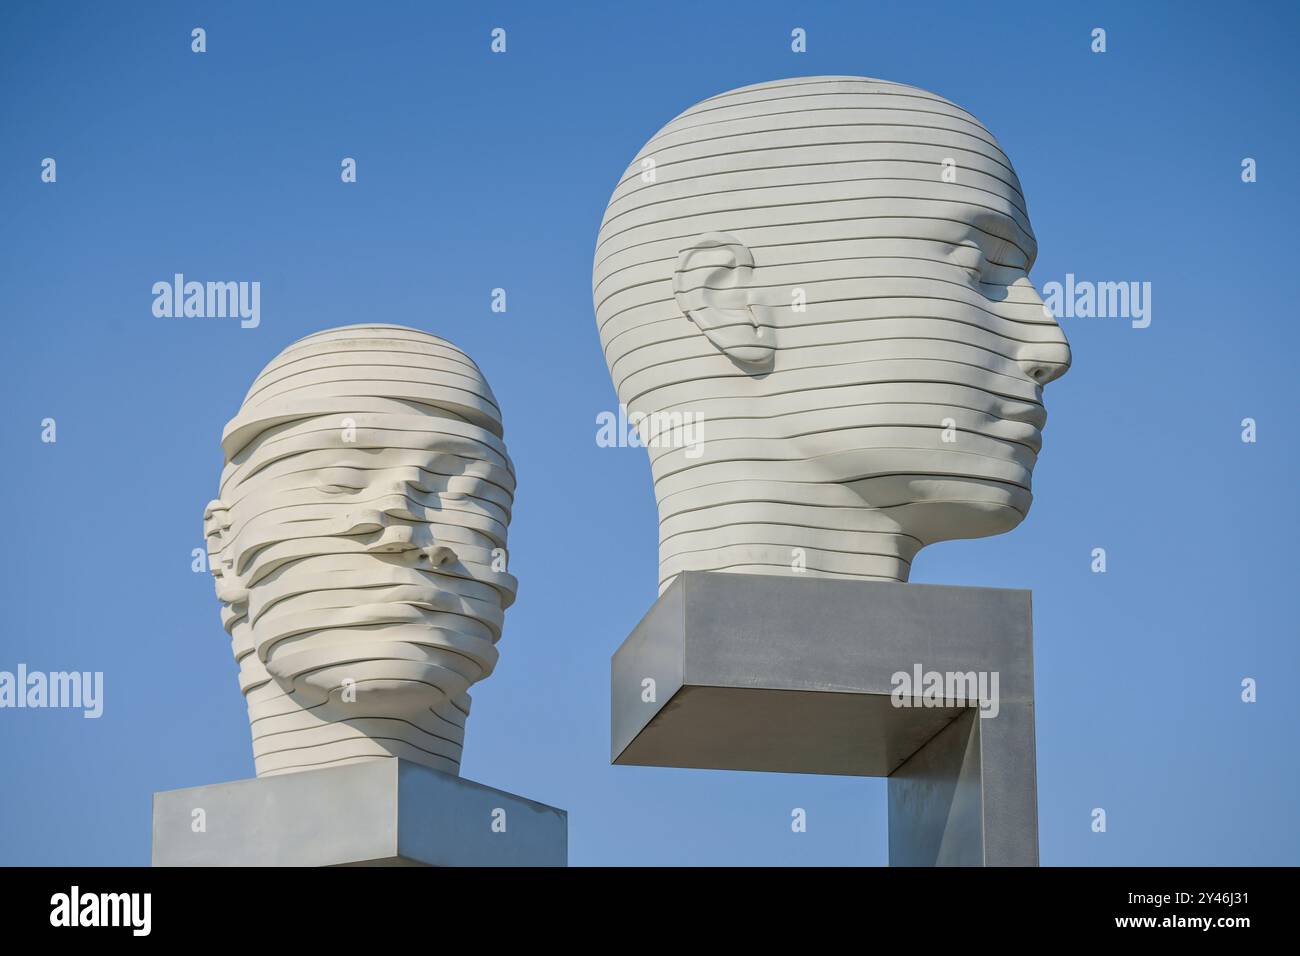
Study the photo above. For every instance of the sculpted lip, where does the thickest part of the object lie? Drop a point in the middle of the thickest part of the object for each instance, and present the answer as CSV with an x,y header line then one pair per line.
x,y
1024,433
361,593
1026,412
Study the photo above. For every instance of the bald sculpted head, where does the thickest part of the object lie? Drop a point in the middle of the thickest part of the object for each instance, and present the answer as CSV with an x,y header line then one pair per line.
x,y
358,545
829,275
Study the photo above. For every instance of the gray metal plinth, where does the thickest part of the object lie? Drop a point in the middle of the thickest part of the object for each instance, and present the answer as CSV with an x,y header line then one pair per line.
x,y
795,675
378,812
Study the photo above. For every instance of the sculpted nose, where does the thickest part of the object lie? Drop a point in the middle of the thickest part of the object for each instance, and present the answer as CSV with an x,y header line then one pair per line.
x,y
1045,363
400,480
403,540
1048,358
393,539
395,492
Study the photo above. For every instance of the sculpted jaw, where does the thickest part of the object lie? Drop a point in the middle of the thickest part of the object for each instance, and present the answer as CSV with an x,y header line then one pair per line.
x,y
831,273
358,544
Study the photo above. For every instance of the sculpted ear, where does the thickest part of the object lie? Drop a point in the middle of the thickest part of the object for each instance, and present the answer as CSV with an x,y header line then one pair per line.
x,y
712,286
216,522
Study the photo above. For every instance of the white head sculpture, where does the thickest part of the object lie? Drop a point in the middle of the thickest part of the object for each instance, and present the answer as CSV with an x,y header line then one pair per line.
x,y
829,276
358,545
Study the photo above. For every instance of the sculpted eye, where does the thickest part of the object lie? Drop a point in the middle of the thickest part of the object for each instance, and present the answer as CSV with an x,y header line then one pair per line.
x,y
340,481
336,489
968,257
1005,253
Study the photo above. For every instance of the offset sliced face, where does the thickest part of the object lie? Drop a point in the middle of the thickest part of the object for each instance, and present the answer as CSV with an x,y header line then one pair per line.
x,y
831,272
363,550
357,553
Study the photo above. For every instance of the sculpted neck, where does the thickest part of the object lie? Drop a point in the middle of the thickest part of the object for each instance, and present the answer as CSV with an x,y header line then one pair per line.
x,y
787,537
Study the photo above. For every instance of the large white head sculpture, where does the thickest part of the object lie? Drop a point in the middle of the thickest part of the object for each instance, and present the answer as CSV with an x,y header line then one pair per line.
x,y
358,545
828,277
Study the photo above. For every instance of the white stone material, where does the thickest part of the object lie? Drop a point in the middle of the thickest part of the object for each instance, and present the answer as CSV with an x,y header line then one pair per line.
x,y
829,276
358,545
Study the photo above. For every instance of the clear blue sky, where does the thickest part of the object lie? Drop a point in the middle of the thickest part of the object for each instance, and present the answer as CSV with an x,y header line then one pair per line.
x,y
478,171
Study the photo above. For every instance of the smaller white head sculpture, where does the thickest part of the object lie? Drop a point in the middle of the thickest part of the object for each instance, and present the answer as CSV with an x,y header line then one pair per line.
x,y
358,546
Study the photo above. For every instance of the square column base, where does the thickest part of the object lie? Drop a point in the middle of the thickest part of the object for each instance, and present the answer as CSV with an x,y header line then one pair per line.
x,y
383,812
796,675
